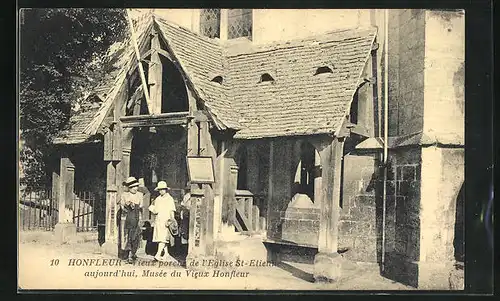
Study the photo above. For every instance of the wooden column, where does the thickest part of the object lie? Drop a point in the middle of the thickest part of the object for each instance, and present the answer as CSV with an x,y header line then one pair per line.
x,y
270,187
111,200
55,185
155,80
327,261
253,169
201,228
111,237
233,182
208,150
222,187
318,180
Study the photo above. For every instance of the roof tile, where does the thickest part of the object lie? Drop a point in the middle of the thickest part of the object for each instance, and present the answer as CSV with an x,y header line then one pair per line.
x,y
297,102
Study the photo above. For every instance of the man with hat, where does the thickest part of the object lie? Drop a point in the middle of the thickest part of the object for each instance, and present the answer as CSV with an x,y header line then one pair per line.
x,y
165,224
131,210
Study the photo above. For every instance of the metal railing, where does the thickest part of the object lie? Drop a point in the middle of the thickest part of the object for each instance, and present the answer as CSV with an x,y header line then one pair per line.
x,y
84,213
39,210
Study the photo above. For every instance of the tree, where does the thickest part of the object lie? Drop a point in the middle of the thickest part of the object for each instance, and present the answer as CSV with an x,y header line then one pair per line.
x,y
63,53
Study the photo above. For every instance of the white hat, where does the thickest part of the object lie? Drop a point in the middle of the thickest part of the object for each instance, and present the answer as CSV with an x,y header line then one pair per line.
x,y
131,182
161,185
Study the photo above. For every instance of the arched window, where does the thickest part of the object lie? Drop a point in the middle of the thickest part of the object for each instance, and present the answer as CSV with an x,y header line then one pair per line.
x,y
174,94
210,22
239,23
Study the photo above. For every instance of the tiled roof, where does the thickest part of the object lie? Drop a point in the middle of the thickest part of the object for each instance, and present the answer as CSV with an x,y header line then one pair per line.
x,y
297,102
78,122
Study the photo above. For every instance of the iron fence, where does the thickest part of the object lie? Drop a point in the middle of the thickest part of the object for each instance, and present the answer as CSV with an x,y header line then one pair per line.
x,y
84,213
39,210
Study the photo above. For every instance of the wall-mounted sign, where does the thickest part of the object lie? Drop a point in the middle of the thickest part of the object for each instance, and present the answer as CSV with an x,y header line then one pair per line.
x,y
200,170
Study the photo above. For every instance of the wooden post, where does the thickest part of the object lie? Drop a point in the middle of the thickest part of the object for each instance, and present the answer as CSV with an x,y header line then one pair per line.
x,y
233,181
318,180
155,80
253,169
270,184
111,237
111,207
248,205
222,183
201,239
255,218
208,149
327,261
55,186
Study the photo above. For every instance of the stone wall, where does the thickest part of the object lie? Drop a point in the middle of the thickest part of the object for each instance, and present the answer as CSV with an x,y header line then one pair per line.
x,y
284,24
444,76
443,176
359,227
406,70
402,225
300,225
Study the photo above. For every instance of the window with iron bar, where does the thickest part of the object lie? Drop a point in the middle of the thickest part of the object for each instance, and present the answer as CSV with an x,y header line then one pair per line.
x,y
239,23
210,22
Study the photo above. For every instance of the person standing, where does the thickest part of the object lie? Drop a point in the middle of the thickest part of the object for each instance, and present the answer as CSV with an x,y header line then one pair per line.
x,y
131,215
164,209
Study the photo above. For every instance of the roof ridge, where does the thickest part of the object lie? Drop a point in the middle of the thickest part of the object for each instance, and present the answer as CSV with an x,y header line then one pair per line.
x,y
248,48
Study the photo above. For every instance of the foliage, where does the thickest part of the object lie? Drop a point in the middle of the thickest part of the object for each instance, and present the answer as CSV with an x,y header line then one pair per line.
x,y
63,54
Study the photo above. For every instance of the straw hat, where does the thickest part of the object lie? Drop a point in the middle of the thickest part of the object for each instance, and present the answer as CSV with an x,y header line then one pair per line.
x,y
131,182
161,185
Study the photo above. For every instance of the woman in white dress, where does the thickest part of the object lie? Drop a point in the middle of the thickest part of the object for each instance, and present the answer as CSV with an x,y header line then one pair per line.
x,y
164,208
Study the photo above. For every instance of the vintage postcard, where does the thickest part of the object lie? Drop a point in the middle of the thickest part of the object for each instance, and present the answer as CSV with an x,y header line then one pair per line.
x,y
241,149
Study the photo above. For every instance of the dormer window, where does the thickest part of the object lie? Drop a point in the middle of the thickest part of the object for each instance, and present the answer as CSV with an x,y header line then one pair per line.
x,y
266,77
217,79
323,70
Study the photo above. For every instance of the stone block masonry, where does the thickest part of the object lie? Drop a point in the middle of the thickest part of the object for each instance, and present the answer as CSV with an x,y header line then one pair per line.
x,y
359,233
301,225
